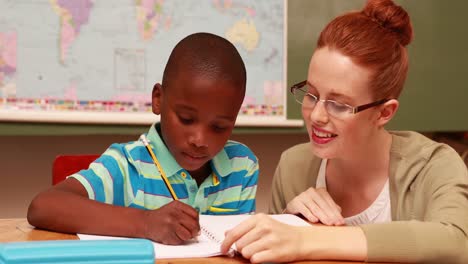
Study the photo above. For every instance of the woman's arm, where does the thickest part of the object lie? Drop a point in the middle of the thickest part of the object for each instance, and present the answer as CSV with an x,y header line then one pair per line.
x,y
297,170
263,239
431,222
439,235
277,203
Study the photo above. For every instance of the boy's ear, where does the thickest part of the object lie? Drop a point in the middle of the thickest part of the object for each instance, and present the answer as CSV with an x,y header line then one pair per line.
x,y
156,99
387,112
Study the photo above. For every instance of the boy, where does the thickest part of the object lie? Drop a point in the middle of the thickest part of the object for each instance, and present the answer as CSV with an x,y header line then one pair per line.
x,y
201,93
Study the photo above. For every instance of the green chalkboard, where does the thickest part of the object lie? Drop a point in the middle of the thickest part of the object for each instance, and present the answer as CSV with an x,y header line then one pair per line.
x,y
436,92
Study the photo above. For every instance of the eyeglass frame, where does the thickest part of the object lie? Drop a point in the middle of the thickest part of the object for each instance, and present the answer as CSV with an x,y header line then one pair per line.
x,y
354,109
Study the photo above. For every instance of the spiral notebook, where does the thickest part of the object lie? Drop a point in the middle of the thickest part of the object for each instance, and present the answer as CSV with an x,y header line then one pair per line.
x,y
212,234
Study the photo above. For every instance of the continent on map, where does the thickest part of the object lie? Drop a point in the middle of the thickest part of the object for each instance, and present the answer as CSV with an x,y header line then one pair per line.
x,y
150,17
228,5
8,42
245,33
73,15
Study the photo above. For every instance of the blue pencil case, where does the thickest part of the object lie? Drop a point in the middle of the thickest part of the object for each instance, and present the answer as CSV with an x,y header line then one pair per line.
x,y
125,251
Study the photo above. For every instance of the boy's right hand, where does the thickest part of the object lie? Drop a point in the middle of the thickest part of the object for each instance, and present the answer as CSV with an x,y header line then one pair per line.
x,y
172,224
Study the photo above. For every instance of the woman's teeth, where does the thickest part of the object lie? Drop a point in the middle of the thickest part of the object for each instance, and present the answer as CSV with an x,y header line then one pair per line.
x,y
323,134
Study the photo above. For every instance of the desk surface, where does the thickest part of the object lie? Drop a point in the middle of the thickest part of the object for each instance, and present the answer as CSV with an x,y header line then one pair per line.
x,y
15,230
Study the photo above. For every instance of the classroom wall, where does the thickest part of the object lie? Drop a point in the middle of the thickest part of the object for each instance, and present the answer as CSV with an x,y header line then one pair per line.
x,y
26,163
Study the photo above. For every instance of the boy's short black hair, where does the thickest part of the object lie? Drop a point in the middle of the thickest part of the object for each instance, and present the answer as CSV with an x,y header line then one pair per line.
x,y
208,55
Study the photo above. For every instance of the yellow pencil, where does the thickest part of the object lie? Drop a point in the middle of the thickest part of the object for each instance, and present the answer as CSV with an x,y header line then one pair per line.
x,y
158,166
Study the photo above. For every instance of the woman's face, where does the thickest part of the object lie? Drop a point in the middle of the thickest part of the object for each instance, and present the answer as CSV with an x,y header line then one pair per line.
x,y
333,76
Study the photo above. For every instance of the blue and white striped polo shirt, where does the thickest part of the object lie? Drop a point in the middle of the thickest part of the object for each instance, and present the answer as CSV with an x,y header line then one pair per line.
x,y
125,175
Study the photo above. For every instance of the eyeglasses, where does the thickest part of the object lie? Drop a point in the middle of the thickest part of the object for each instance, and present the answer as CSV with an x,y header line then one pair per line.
x,y
334,108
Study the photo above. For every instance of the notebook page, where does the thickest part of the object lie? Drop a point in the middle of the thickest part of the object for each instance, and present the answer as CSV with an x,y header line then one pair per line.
x,y
218,225
215,225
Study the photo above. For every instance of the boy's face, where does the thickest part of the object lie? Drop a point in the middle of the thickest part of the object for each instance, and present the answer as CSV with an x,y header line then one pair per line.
x,y
197,117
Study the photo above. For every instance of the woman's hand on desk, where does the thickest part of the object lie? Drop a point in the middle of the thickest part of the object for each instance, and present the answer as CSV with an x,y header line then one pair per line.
x,y
316,205
261,238
172,224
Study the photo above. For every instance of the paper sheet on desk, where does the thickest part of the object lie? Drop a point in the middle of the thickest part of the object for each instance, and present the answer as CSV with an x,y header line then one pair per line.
x,y
208,244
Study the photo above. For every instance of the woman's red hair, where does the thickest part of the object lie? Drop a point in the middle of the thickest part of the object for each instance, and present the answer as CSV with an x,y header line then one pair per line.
x,y
375,38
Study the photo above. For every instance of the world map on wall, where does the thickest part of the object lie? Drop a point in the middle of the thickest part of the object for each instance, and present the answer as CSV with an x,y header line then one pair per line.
x,y
89,55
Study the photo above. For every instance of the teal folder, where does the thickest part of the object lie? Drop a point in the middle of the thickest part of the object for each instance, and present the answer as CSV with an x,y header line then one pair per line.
x,y
125,251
